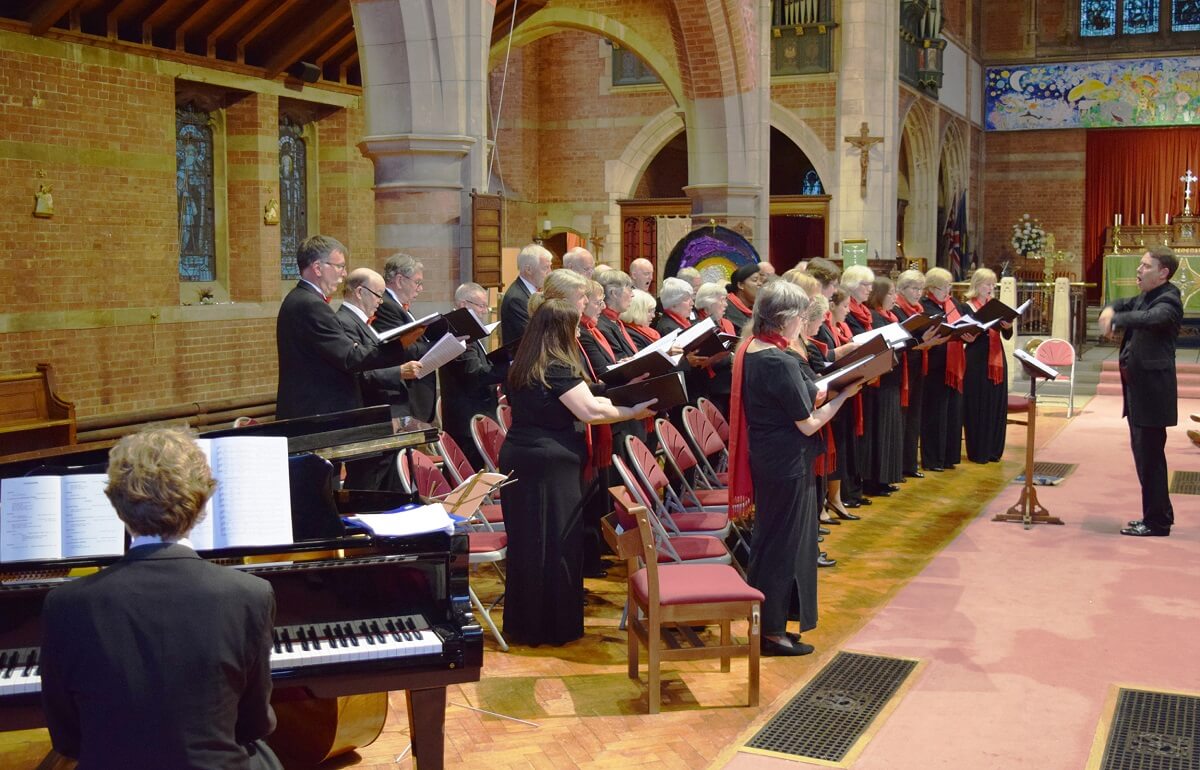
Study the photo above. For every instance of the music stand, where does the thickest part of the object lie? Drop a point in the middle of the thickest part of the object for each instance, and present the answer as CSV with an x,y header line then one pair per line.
x,y
1028,510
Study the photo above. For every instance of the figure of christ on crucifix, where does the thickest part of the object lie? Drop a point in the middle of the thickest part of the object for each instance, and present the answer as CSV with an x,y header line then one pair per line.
x,y
863,142
1187,180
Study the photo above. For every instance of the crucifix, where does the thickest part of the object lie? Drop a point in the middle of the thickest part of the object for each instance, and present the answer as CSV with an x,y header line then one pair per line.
x,y
1187,180
863,142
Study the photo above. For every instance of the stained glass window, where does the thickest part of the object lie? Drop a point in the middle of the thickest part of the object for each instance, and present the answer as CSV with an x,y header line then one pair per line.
x,y
293,190
194,194
1185,15
812,184
1097,18
1140,17
629,70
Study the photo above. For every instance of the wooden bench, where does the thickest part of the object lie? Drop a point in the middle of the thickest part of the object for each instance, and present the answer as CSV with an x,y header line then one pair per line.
x,y
32,416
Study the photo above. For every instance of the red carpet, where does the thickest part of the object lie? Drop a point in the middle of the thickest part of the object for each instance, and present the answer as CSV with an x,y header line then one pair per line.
x,y
1188,374
1023,633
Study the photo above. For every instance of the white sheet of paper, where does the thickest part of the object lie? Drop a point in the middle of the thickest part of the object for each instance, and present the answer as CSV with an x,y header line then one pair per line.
x,y
30,518
441,353
694,332
253,500
412,521
90,525
1047,371
893,334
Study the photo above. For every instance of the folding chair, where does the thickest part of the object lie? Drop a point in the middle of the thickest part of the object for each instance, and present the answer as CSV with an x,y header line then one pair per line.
x,y
672,547
457,469
682,462
715,417
680,596
1059,354
488,437
485,546
665,503
504,417
706,443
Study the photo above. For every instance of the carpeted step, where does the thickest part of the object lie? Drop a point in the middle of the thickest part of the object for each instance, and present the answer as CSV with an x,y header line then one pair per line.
x,y
1114,389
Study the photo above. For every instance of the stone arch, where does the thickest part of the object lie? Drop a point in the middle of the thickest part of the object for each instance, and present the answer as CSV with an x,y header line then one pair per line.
x,y
807,140
920,220
550,20
952,157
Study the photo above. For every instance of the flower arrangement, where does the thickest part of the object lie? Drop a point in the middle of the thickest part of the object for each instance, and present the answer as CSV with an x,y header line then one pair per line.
x,y
1028,237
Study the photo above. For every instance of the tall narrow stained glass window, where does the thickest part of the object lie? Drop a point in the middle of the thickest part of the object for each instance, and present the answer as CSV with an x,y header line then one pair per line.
x,y
194,194
1185,15
1140,17
293,191
1098,18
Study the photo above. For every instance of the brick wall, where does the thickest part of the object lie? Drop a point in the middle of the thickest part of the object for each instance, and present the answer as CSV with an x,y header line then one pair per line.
x,y
94,289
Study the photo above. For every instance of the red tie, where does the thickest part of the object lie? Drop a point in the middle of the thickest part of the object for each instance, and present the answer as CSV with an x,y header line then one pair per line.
x,y
325,298
371,320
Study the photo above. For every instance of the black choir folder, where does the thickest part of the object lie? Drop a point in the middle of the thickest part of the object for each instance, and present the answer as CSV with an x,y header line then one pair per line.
x,y
410,332
872,359
464,324
46,518
995,310
655,364
668,389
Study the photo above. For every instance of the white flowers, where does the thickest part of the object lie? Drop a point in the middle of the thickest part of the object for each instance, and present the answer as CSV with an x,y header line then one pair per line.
x,y
1028,237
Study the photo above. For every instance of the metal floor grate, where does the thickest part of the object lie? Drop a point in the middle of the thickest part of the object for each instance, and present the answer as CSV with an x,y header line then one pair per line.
x,y
1061,470
832,712
1185,483
1153,731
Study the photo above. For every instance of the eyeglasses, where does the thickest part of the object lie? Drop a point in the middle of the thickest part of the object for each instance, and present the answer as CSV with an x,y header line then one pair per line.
x,y
419,284
339,266
378,294
477,305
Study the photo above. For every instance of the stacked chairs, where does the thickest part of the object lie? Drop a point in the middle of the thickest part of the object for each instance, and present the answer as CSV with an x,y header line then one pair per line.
x,y
504,417
682,462
708,444
672,546
457,468
488,437
677,517
715,417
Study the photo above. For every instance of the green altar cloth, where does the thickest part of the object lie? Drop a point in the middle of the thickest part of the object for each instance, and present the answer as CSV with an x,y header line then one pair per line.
x,y
1120,279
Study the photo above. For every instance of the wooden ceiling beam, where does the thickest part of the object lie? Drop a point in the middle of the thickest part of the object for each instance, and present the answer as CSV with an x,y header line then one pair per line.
x,y
262,24
120,12
338,48
168,10
204,14
47,12
231,21
301,40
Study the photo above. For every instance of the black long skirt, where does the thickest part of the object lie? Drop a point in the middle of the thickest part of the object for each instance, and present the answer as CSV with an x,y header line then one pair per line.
x,y
985,413
886,425
783,550
912,415
941,423
543,602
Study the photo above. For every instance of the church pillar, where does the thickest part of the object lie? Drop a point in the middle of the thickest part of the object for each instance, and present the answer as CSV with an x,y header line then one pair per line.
x,y
867,92
424,85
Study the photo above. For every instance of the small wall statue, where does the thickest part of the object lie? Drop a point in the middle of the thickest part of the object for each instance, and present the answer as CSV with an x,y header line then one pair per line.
x,y
43,205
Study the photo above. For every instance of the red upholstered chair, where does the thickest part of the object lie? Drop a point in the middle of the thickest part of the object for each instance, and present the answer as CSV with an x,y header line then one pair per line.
x,y
707,443
671,548
504,417
682,462
489,437
457,469
657,492
1059,355
682,596
715,417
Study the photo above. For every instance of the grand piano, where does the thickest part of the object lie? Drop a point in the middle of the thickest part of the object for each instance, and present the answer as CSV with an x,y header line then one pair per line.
x,y
357,615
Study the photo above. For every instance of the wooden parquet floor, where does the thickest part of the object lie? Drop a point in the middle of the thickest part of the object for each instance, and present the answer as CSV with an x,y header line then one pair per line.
x,y
586,713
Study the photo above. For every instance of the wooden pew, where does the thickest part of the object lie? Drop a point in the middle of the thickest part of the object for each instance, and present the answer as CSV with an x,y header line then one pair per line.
x,y
32,416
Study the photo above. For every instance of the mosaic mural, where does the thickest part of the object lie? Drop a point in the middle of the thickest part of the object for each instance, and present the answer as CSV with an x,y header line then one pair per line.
x,y
1110,94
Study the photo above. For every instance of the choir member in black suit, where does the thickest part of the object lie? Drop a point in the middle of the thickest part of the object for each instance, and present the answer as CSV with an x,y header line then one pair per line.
x,y
318,363
161,659
774,434
1151,322
641,270
941,406
910,285
599,351
711,302
469,382
533,265
985,383
857,281
743,286
618,293
638,317
546,451
404,277
884,400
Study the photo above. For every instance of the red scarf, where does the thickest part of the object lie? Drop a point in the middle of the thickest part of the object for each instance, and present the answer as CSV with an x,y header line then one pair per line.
x,y
645,331
995,350
724,326
956,357
683,322
826,462
910,311
891,317
615,317
736,301
589,323
598,437
741,485
862,313
842,335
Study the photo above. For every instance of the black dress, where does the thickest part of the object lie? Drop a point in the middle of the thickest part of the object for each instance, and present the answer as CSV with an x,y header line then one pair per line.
x,y
855,486
885,424
985,403
912,412
783,551
545,450
736,316
941,408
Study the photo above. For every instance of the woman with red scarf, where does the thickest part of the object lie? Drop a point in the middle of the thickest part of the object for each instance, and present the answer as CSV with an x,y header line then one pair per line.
x,y
847,421
883,401
910,285
857,281
636,319
941,400
775,436
677,297
985,386
742,288
711,302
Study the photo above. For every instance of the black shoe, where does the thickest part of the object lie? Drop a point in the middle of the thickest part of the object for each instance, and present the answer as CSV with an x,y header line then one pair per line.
x,y
934,468
841,514
1135,523
824,561
915,475
820,538
772,648
850,504
865,501
890,487
1141,530
822,531
882,491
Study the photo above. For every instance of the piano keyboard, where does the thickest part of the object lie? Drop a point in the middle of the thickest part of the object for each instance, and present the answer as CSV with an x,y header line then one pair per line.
x,y
299,646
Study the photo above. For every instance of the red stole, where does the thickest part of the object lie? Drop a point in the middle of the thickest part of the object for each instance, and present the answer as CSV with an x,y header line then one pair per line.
x,y
956,357
910,311
736,301
891,317
995,350
598,437
683,322
613,316
589,324
842,335
862,313
741,485
645,331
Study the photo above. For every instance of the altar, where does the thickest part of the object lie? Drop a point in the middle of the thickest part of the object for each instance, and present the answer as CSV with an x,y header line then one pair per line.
x,y
1124,247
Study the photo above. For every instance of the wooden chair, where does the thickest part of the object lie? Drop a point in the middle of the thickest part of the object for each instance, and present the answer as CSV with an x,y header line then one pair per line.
x,y
674,598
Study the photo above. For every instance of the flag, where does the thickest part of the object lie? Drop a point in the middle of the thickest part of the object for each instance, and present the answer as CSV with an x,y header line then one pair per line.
x,y
954,236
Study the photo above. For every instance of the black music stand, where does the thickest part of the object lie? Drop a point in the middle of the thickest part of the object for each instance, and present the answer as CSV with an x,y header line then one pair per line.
x,y
1028,510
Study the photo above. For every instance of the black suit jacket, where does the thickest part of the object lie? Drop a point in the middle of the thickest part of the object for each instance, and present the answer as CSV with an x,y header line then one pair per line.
x,y
514,312
159,660
317,361
1151,324
469,388
379,386
422,393
612,332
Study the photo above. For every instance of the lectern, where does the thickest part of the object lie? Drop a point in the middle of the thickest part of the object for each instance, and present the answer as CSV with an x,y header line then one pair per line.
x,y
1028,510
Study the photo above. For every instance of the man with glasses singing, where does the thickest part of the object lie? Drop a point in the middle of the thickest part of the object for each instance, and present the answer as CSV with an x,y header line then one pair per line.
x,y
469,381
318,362
404,278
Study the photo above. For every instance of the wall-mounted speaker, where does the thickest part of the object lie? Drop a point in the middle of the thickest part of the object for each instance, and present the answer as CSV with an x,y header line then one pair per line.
x,y
306,71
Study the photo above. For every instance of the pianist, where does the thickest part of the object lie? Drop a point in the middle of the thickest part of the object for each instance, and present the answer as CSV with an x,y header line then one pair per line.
x,y
162,659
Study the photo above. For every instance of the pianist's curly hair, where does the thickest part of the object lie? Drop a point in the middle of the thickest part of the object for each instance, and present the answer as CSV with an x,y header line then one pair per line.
x,y
159,481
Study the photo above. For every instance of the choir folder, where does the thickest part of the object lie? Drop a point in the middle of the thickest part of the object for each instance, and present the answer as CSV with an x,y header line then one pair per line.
x,y
669,389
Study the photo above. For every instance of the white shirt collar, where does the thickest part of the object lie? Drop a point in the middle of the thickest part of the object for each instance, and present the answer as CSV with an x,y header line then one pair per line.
x,y
317,288
532,289
358,311
140,540
388,289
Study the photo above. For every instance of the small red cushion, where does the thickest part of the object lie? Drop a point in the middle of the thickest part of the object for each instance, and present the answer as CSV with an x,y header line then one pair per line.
x,y
700,522
486,542
691,547
493,514
696,584
1017,403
